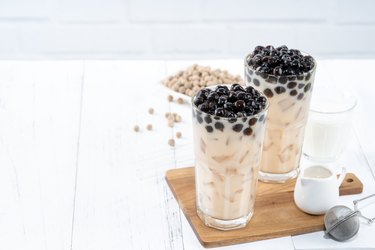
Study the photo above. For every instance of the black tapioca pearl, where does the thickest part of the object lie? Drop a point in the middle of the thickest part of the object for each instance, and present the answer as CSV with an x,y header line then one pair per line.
x,y
198,100
307,87
261,118
272,79
264,75
216,117
292,78
244,119
277,71
293,92
279,90
213,97
219,126
292,85
241,95
300,96
268,93
237,127
236,87
204,107
250,72
209,129
248,78
247,131
308,76
208,119
301,85
239,105
241,114
232,120
283,79
261,99
300,77
193,113
228,106
252,121
256,82
199,119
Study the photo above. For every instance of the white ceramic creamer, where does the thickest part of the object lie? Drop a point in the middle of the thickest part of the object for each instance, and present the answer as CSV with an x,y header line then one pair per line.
x,y
317,189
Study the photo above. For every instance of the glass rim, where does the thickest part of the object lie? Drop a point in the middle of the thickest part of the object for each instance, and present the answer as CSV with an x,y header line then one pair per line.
x,y
229,118
339,111
303,74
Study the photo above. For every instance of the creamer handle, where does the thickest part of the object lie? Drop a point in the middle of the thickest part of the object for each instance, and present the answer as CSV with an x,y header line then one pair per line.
x,y
342,176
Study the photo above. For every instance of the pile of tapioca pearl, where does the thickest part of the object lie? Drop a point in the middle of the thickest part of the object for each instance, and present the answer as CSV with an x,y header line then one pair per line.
x,y
172,118
196,77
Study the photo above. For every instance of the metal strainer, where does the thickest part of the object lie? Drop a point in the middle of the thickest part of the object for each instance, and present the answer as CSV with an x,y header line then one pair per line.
x,y
342,223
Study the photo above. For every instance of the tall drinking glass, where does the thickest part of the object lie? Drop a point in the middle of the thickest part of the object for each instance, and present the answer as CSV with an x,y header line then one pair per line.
x,y
289,97
227,160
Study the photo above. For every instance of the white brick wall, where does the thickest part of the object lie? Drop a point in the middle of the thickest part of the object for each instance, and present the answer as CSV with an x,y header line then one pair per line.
x,y
154,29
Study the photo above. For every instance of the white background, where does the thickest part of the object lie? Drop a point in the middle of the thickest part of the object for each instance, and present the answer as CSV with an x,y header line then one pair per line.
x,y
180,29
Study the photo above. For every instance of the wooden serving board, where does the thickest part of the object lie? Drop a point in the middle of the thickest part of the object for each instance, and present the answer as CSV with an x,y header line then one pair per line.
x,y
275,213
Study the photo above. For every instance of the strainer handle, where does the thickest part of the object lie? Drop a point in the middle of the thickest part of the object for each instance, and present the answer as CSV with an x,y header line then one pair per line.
x,y
355,202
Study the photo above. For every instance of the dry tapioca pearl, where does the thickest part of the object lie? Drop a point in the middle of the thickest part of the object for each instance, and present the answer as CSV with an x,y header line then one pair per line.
x,y
307,87
136,128
268,92
171,142
256,82
308,77
178,134
150,111
180,100
170,98
199,119
237,127
170,123
247,131
208,119
283,79
252,121
279,90
300,96
149,127
177,118
293,92
292,85
209,129
301,85
219,126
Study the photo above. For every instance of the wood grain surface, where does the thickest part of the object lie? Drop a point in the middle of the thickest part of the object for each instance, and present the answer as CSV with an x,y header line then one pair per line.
x,y
275,214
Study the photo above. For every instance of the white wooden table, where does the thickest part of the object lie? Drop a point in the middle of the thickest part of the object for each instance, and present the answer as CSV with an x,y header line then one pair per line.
x,y
74,174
